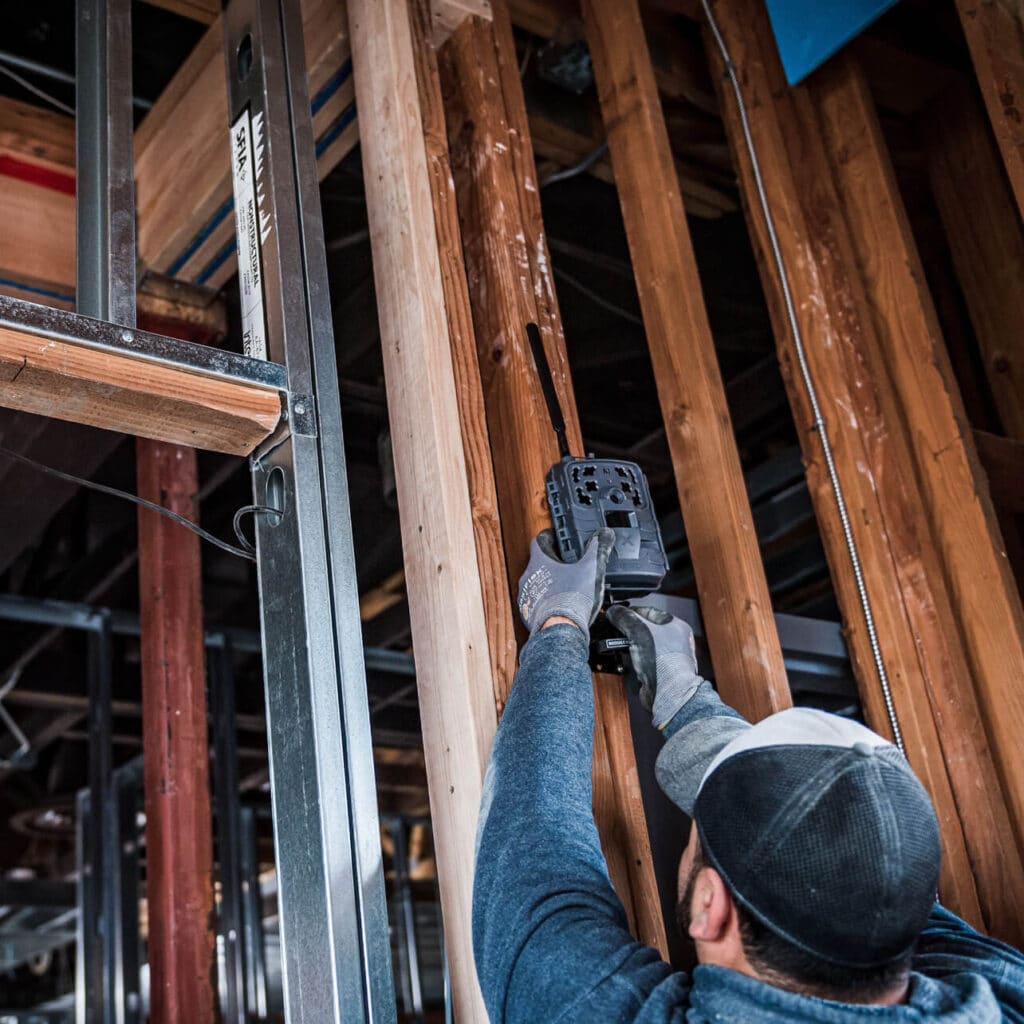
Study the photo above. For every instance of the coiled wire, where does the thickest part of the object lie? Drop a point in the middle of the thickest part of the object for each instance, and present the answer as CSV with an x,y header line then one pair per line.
x,y
805,373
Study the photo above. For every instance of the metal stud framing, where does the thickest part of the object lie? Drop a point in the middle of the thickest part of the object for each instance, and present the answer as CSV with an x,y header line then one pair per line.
x,y
334,928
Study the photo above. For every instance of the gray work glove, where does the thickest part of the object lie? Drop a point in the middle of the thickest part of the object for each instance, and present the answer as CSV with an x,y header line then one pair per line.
x,y
664,658
575,590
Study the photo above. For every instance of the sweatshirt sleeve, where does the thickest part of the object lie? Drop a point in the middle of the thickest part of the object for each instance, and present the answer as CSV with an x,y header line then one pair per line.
x,y
550,936
950,946
693,738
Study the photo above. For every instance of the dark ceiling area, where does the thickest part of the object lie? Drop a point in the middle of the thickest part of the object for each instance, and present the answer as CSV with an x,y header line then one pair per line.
x,y
61,543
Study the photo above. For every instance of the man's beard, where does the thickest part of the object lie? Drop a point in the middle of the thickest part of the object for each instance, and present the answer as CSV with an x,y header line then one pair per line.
x,y
683,906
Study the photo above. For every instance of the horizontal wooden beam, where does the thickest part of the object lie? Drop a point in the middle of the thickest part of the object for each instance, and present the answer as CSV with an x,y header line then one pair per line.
x,y
182,165
133,395
183,187
565,144
37,136
37,204
160,311
677,60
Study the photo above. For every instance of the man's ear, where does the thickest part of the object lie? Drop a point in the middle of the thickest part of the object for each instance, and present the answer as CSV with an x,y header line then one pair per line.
x,y
710,908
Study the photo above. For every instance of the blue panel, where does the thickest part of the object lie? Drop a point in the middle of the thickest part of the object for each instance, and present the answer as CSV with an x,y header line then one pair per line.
x,y
808,32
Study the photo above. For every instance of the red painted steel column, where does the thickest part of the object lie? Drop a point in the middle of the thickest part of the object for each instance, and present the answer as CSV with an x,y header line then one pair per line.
x,y
179,844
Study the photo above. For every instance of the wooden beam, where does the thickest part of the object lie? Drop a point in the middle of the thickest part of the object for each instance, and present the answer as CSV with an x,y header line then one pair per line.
x,y
37,183
33,499
490,551
510,284
182,167
37,136
183,186
132,395
983,594
903,574
445,16
741,631
443,579
37,204
162,311
179,845
618,809
206,11
563,140
995,35
382,597
677,60
986,240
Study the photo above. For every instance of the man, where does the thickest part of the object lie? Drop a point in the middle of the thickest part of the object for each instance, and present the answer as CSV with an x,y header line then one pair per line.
x,y
807,884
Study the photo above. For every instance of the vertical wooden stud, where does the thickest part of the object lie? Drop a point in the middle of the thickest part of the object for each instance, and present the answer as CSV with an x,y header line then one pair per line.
x,y
741,632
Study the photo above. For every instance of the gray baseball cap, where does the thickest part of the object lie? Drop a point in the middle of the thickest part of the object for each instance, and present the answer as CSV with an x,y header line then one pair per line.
x,y
817,825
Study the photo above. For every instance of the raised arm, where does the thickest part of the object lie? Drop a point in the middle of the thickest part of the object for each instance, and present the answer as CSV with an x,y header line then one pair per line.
x,y
695,721
550,935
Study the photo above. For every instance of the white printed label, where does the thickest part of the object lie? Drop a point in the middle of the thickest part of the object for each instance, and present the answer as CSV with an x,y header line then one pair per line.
x,y
245,171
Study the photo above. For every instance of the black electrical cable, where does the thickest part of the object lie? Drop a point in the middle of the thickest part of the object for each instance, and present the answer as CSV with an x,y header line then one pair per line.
x,y
246,551
248,510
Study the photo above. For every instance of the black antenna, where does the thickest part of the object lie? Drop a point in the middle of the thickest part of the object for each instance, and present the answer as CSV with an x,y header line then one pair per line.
x,y
547,386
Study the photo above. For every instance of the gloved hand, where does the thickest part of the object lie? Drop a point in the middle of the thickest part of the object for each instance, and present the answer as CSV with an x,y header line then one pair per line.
x,y
664,658
574,590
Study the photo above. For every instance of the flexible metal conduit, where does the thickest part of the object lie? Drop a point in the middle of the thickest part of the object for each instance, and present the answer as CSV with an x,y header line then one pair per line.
x,y
805,373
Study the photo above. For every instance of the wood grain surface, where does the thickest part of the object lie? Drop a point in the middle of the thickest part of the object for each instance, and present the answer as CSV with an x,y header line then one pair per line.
x,y
179,844
132,395
737,610
490,551
510,285
450,638
906,352
917,633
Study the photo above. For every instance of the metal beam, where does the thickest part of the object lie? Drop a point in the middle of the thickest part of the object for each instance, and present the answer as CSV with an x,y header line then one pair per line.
x,y
107,981
99,831
813,650
232,989
36,892
76,615
252,917
333,915
105,162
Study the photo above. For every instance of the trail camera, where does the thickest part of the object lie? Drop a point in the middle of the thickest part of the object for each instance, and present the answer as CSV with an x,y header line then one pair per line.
x,y
586,494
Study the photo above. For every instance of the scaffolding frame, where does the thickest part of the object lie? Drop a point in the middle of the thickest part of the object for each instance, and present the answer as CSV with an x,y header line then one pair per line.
x,y
333,916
